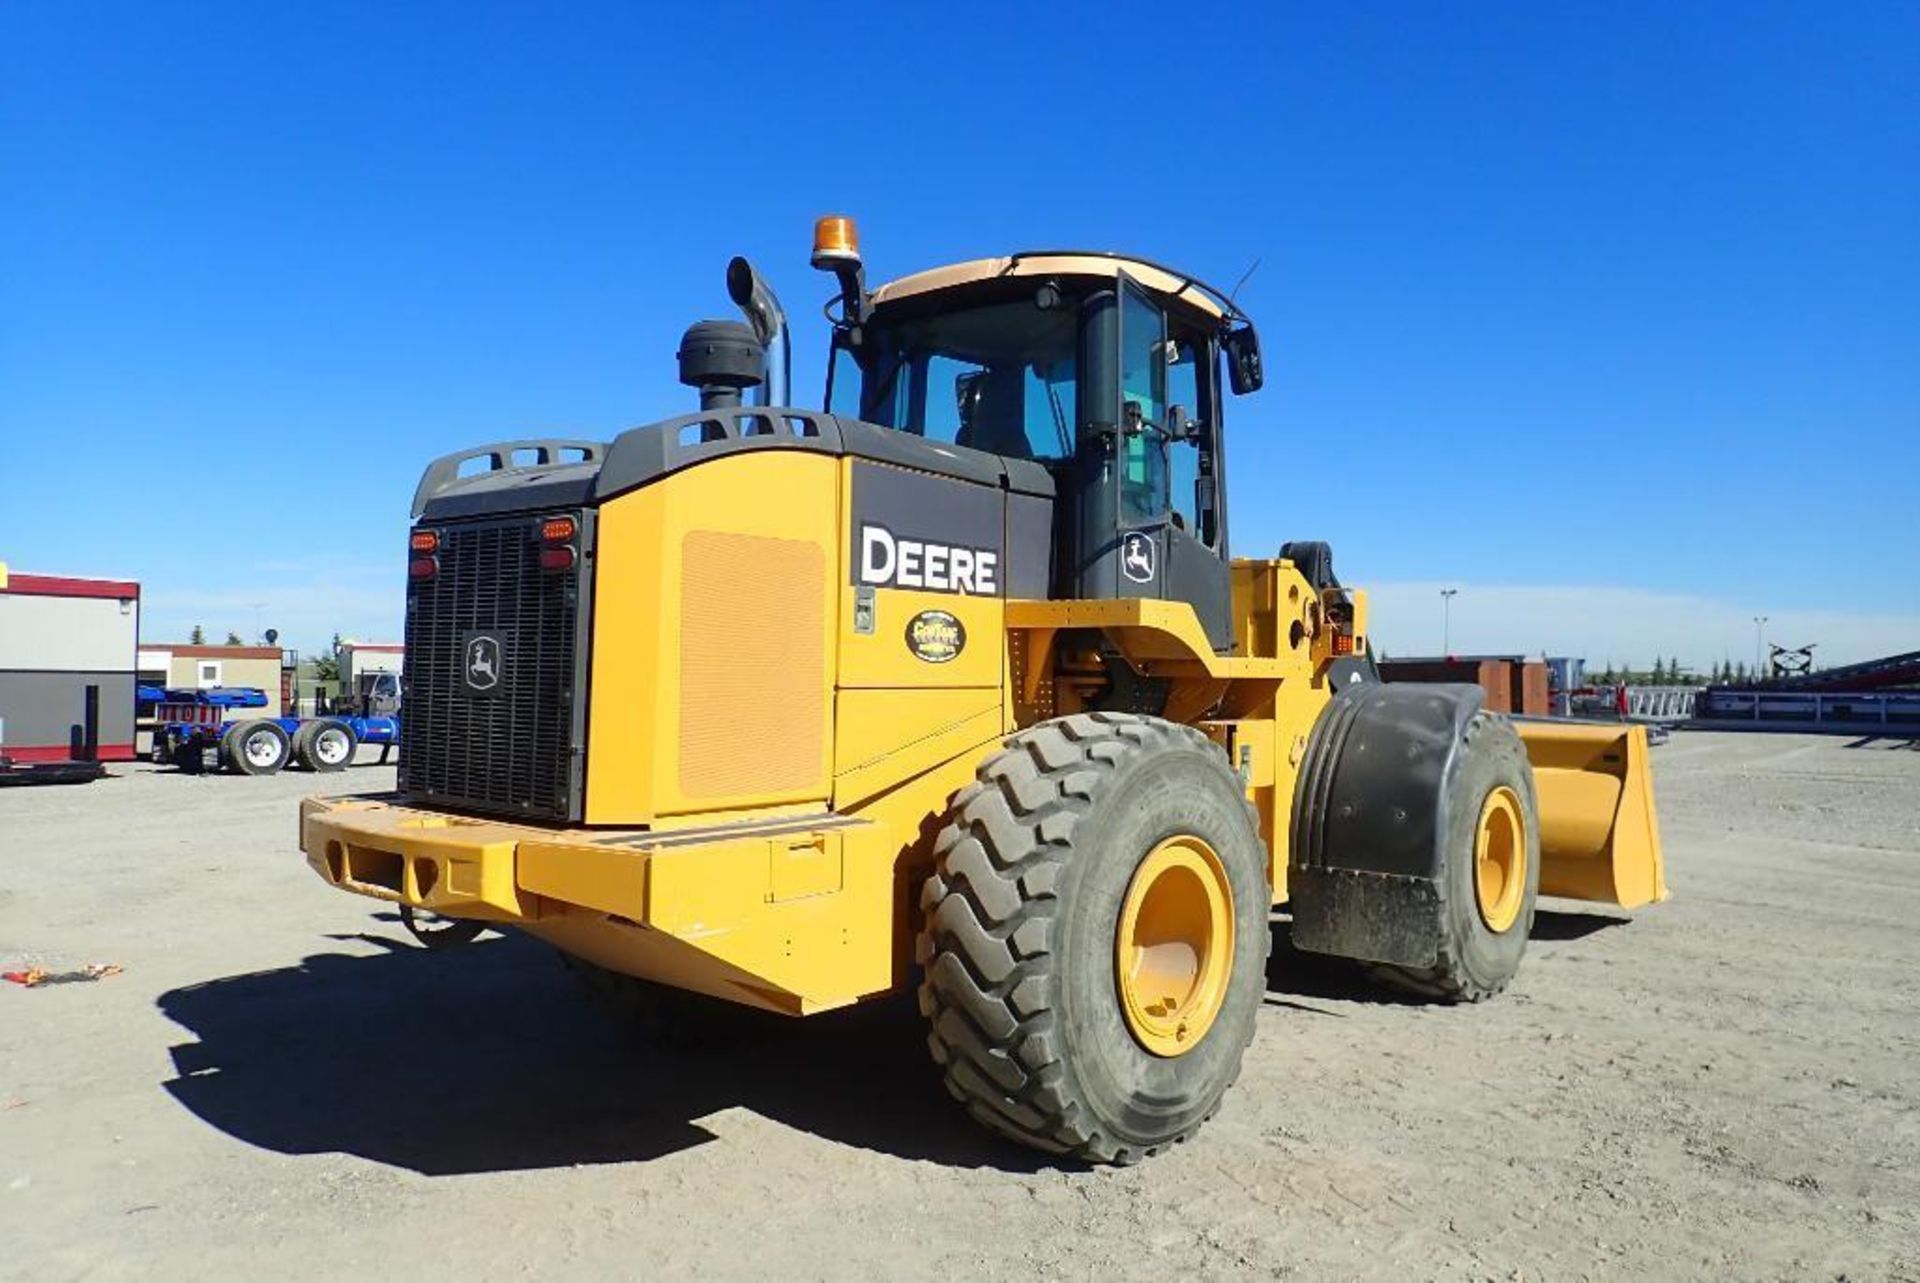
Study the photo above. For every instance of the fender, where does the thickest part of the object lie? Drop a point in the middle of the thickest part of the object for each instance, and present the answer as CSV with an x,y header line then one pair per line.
x,y
1370,814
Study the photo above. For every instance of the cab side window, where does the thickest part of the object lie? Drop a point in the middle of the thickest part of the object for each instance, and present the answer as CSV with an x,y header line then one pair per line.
x,y
1143,391
1184,375
950,388
843,391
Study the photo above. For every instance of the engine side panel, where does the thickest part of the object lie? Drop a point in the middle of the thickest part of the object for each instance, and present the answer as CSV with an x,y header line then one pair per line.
x,y
713,647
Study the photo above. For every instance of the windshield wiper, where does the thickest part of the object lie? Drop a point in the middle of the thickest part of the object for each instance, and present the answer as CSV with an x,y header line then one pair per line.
x,y
1059,417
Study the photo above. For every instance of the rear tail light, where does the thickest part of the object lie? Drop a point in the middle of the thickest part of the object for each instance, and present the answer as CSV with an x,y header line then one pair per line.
x,y
423,567
557,534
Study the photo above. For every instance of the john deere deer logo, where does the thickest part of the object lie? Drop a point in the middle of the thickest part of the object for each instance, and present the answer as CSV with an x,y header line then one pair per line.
x,y
482,662
1136,557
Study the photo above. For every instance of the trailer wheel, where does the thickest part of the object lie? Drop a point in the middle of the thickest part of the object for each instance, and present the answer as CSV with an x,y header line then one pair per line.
x,y
255,748
1492,874
189,754
1096,936
325,745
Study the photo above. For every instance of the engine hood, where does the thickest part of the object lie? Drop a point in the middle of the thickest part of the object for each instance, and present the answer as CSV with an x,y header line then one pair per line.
x,y
643,455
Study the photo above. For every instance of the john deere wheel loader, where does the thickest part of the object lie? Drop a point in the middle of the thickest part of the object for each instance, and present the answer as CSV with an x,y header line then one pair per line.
x,y
955,684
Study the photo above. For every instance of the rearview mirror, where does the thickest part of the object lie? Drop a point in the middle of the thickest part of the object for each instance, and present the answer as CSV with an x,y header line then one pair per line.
x,y
1244,373
968,389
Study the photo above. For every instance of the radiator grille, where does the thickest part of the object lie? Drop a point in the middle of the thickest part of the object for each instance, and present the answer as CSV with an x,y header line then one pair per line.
x,y
517,748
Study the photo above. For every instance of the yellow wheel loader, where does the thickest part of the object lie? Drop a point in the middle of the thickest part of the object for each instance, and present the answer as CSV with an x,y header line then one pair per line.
x,y
955,684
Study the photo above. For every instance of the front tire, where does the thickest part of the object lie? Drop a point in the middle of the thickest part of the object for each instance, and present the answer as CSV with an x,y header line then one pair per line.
x,y
1492,874
1096,936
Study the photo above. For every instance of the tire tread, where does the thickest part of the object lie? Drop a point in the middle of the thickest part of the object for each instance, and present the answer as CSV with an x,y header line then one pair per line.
x,y
986,948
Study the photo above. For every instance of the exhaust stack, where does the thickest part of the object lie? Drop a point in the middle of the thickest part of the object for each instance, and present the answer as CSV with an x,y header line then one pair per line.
x,y
751,294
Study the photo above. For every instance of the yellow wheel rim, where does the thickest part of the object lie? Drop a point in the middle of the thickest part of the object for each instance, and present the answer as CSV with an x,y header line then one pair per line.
x,y
1173,948
1500,860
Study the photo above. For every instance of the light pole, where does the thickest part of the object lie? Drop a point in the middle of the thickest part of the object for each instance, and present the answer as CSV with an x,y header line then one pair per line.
x,y
1446,619
1759,622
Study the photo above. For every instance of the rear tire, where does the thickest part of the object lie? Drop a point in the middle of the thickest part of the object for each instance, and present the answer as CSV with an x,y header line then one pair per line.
x,y
325,745
436,931
255,748
1031,1006
656,1014
1483,932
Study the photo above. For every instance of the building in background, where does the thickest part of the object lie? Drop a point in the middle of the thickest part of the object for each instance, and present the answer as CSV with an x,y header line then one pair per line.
x,y
1565,675
182,665
1513,683
67,658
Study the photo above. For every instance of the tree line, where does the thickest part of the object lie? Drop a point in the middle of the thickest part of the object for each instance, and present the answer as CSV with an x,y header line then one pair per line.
x,y
1667,672
199,637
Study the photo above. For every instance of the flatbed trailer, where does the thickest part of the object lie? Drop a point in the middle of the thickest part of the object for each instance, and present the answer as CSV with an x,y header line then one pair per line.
x,y
194,734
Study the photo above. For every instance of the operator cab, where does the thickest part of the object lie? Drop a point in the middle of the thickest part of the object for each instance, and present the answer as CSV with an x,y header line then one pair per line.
x,y
1104,370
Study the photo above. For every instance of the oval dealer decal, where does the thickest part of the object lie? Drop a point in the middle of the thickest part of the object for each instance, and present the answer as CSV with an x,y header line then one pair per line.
x,y
936,636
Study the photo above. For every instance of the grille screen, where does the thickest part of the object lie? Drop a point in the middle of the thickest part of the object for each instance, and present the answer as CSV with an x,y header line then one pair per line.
x,y
491,719
753,684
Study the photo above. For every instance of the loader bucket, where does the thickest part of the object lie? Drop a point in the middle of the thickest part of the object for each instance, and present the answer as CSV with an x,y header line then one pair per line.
x,y
1599,838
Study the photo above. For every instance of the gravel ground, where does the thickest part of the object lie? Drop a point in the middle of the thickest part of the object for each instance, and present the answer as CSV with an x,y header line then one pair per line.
x,y
281,1085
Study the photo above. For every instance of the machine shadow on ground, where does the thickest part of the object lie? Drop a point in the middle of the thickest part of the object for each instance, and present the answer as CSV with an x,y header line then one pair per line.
x,y
489,1058
1293,973
1907,743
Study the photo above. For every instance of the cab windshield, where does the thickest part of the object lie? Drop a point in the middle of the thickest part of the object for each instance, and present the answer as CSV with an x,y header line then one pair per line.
x,y
1000,378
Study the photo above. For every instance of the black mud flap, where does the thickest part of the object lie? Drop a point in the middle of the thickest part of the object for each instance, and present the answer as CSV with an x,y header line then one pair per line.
x,y
1370,815
1372,917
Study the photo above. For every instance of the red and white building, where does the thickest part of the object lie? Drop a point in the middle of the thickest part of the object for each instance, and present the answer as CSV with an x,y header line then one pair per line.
x,y
67,646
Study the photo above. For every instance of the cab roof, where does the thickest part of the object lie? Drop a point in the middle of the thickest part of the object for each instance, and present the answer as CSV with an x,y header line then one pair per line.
x,y
1095,263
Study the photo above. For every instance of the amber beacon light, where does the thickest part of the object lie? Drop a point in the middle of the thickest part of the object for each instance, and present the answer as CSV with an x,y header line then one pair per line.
x,y
835,240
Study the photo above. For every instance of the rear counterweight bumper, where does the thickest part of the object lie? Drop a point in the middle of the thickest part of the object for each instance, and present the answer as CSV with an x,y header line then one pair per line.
x,y
794,913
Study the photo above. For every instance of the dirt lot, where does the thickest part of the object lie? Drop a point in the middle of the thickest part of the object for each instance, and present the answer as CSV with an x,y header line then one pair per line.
x,y
280,1084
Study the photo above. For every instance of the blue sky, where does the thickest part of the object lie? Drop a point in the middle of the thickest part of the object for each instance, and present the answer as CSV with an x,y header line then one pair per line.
x,y
1607,314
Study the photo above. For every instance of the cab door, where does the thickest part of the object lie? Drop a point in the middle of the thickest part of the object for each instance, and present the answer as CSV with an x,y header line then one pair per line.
x,y
1170,541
